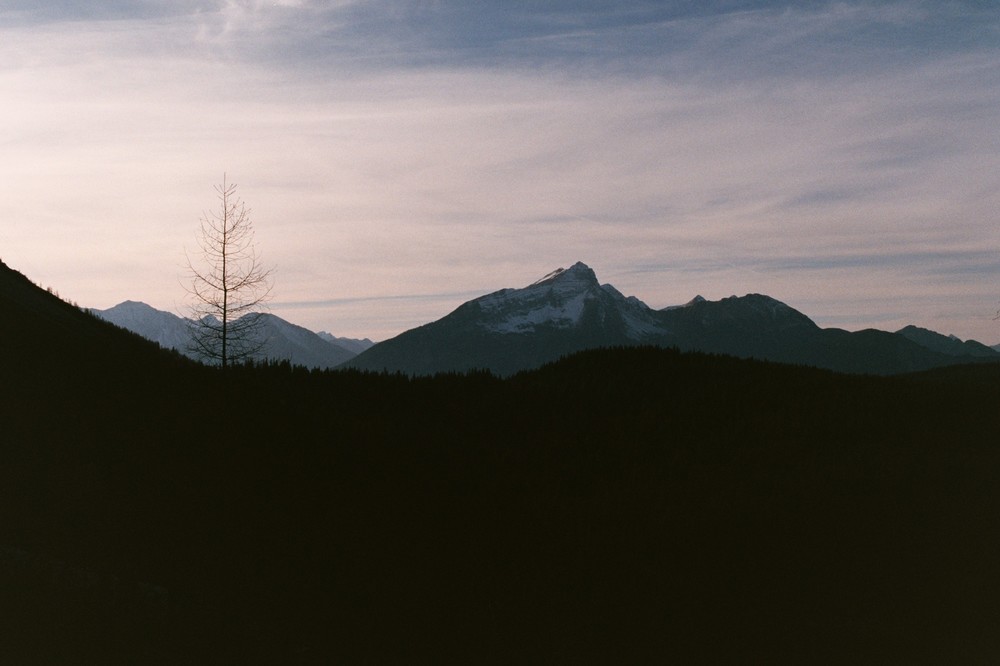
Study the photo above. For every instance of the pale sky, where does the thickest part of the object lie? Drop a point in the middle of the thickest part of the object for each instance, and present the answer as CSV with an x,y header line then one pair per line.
x,y
401,158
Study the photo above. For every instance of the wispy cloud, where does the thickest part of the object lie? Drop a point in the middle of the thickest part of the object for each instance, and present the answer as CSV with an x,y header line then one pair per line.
x,y
391,149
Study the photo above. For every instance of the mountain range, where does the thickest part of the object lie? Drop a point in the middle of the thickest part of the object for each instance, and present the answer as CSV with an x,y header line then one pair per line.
x,y
569,310
281,340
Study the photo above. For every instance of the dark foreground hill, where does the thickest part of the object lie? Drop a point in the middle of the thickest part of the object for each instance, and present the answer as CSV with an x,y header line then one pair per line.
x,y
631,505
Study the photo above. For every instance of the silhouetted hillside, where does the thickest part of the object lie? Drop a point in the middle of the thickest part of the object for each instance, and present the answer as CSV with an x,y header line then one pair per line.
x,y
620,506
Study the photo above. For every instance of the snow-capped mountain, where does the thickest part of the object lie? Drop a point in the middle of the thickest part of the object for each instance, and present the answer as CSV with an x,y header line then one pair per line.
x,y
567,299
164,328
514,329
569,310
282,340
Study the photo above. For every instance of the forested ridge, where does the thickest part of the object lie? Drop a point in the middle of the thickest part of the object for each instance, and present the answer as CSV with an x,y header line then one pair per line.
x,y
630,505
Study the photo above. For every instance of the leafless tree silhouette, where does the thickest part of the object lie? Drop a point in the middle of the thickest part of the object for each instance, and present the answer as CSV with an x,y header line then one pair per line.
x,y
232,287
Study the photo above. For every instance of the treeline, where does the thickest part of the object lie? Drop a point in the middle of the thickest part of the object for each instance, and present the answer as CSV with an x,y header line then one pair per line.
x,y
628,505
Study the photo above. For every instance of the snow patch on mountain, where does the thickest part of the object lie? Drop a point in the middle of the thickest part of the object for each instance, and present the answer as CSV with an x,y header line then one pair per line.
x,y
560,300
557,300
557,312
554,274
576,277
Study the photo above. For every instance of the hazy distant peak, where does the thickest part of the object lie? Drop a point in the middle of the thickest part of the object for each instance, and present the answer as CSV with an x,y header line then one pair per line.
x,y
164,328
350,344
125,306
281,339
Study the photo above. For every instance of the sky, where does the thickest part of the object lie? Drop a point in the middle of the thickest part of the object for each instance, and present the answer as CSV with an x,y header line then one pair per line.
x,y
401,158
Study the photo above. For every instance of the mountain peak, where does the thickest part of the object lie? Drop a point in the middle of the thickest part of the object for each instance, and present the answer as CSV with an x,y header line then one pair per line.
x,y
578,272
131,307
565,299
767,308
694,301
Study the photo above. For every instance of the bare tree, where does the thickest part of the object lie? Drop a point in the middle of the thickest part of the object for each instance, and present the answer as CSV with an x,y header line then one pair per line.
x,y
231,289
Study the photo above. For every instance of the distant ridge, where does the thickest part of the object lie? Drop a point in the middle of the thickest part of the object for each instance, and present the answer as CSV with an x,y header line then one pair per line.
x,y
350,344
565,311
946,344
283,341
568,310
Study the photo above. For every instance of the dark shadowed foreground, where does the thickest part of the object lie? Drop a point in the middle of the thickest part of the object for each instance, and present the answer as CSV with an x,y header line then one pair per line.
x,y
630,505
